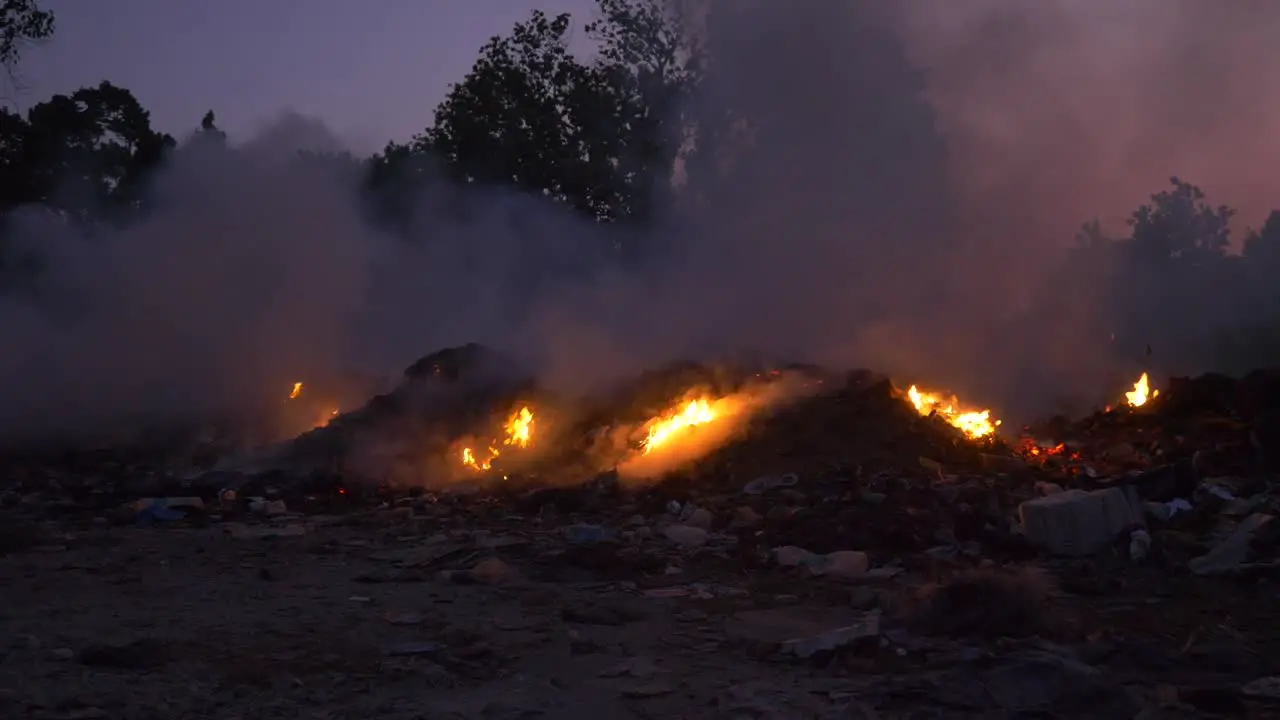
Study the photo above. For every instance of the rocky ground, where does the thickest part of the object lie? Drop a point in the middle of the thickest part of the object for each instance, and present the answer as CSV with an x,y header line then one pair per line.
x,y
447,609
845,558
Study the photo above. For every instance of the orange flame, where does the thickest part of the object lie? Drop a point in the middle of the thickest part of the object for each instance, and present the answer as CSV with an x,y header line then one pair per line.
x,y
297,390
662,429
519,431
1141,392
973,423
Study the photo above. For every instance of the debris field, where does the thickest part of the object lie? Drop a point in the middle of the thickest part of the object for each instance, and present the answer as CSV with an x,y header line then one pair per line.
x,y
706,542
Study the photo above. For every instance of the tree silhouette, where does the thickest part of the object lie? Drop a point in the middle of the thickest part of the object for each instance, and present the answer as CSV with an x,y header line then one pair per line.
x,y
21,21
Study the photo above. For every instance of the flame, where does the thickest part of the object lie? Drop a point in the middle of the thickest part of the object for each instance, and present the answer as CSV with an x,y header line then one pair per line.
x,y
1141,392
973,423
519,431
297,390
663,428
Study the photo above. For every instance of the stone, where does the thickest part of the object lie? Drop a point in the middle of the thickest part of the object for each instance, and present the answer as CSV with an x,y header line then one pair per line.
x,y
686,536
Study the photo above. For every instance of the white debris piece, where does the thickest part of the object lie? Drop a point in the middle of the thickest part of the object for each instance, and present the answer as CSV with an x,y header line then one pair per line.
x,y
1077,523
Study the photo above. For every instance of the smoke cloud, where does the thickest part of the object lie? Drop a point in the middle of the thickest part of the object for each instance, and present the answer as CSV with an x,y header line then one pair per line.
x,y
908,178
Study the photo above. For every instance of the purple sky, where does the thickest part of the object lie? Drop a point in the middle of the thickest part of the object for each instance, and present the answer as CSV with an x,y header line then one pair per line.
x,y
372,71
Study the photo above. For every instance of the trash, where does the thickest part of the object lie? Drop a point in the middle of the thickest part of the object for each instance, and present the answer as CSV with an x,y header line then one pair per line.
x,y
414,648
841,564
148,511
240,531
589,534
761,485
270,508
1139,545
158,513
1232,553
1264,687
802,631
1077,523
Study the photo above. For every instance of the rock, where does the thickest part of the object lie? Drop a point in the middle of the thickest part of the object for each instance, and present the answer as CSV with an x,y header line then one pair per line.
x,y
686,536
699,518
1233,551
745,518
791,556
841,565
492,572
1002,463
1078,523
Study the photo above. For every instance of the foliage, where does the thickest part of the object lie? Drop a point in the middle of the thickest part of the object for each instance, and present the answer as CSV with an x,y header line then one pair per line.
x,y
605,133
88,154
21,21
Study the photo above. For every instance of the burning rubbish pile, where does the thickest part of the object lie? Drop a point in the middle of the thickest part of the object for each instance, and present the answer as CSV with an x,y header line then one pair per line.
x,y
729,487
901,470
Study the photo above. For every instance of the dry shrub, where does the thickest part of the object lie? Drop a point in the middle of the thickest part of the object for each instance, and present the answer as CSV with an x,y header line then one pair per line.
x,y
985,603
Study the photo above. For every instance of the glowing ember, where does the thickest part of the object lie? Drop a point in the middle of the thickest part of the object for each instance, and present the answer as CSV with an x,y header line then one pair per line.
x,y
1141,392
973,423
661,430
519,430
297,390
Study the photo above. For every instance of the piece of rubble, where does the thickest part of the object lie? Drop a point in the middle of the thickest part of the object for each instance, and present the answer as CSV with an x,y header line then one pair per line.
x,y
803,632
686,536
492,572
761,485
840,565
1233,552
1078,523
240,531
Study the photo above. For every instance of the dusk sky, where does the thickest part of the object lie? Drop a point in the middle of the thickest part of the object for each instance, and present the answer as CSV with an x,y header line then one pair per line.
x,y
372,71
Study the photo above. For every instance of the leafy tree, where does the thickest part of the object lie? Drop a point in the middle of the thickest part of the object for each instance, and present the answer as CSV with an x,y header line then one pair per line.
x,y
91,152
395,181
1263,246
21,21
600,136
1179,224
522,116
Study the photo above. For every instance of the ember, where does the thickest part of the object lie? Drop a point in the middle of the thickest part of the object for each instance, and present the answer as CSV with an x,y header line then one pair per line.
x,y
973,423
518,429
297,390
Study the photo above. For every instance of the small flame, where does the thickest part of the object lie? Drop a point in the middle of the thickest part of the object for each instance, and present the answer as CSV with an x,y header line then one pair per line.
x,y
662,429
1141,392
973,423
519,430
297,390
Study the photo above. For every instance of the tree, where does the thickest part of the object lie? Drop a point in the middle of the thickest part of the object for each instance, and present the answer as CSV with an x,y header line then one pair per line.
x,y
652,68
518,118
21,22
600,136
88,154
1179,224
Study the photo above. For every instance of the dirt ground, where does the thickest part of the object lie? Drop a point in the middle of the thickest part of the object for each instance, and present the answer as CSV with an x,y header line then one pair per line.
x,y
359,619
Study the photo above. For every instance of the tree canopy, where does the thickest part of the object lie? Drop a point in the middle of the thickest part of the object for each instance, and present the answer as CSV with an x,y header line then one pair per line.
x,y
612,134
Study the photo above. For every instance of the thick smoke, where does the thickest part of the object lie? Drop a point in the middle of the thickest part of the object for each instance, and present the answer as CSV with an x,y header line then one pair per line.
x,y
884,189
